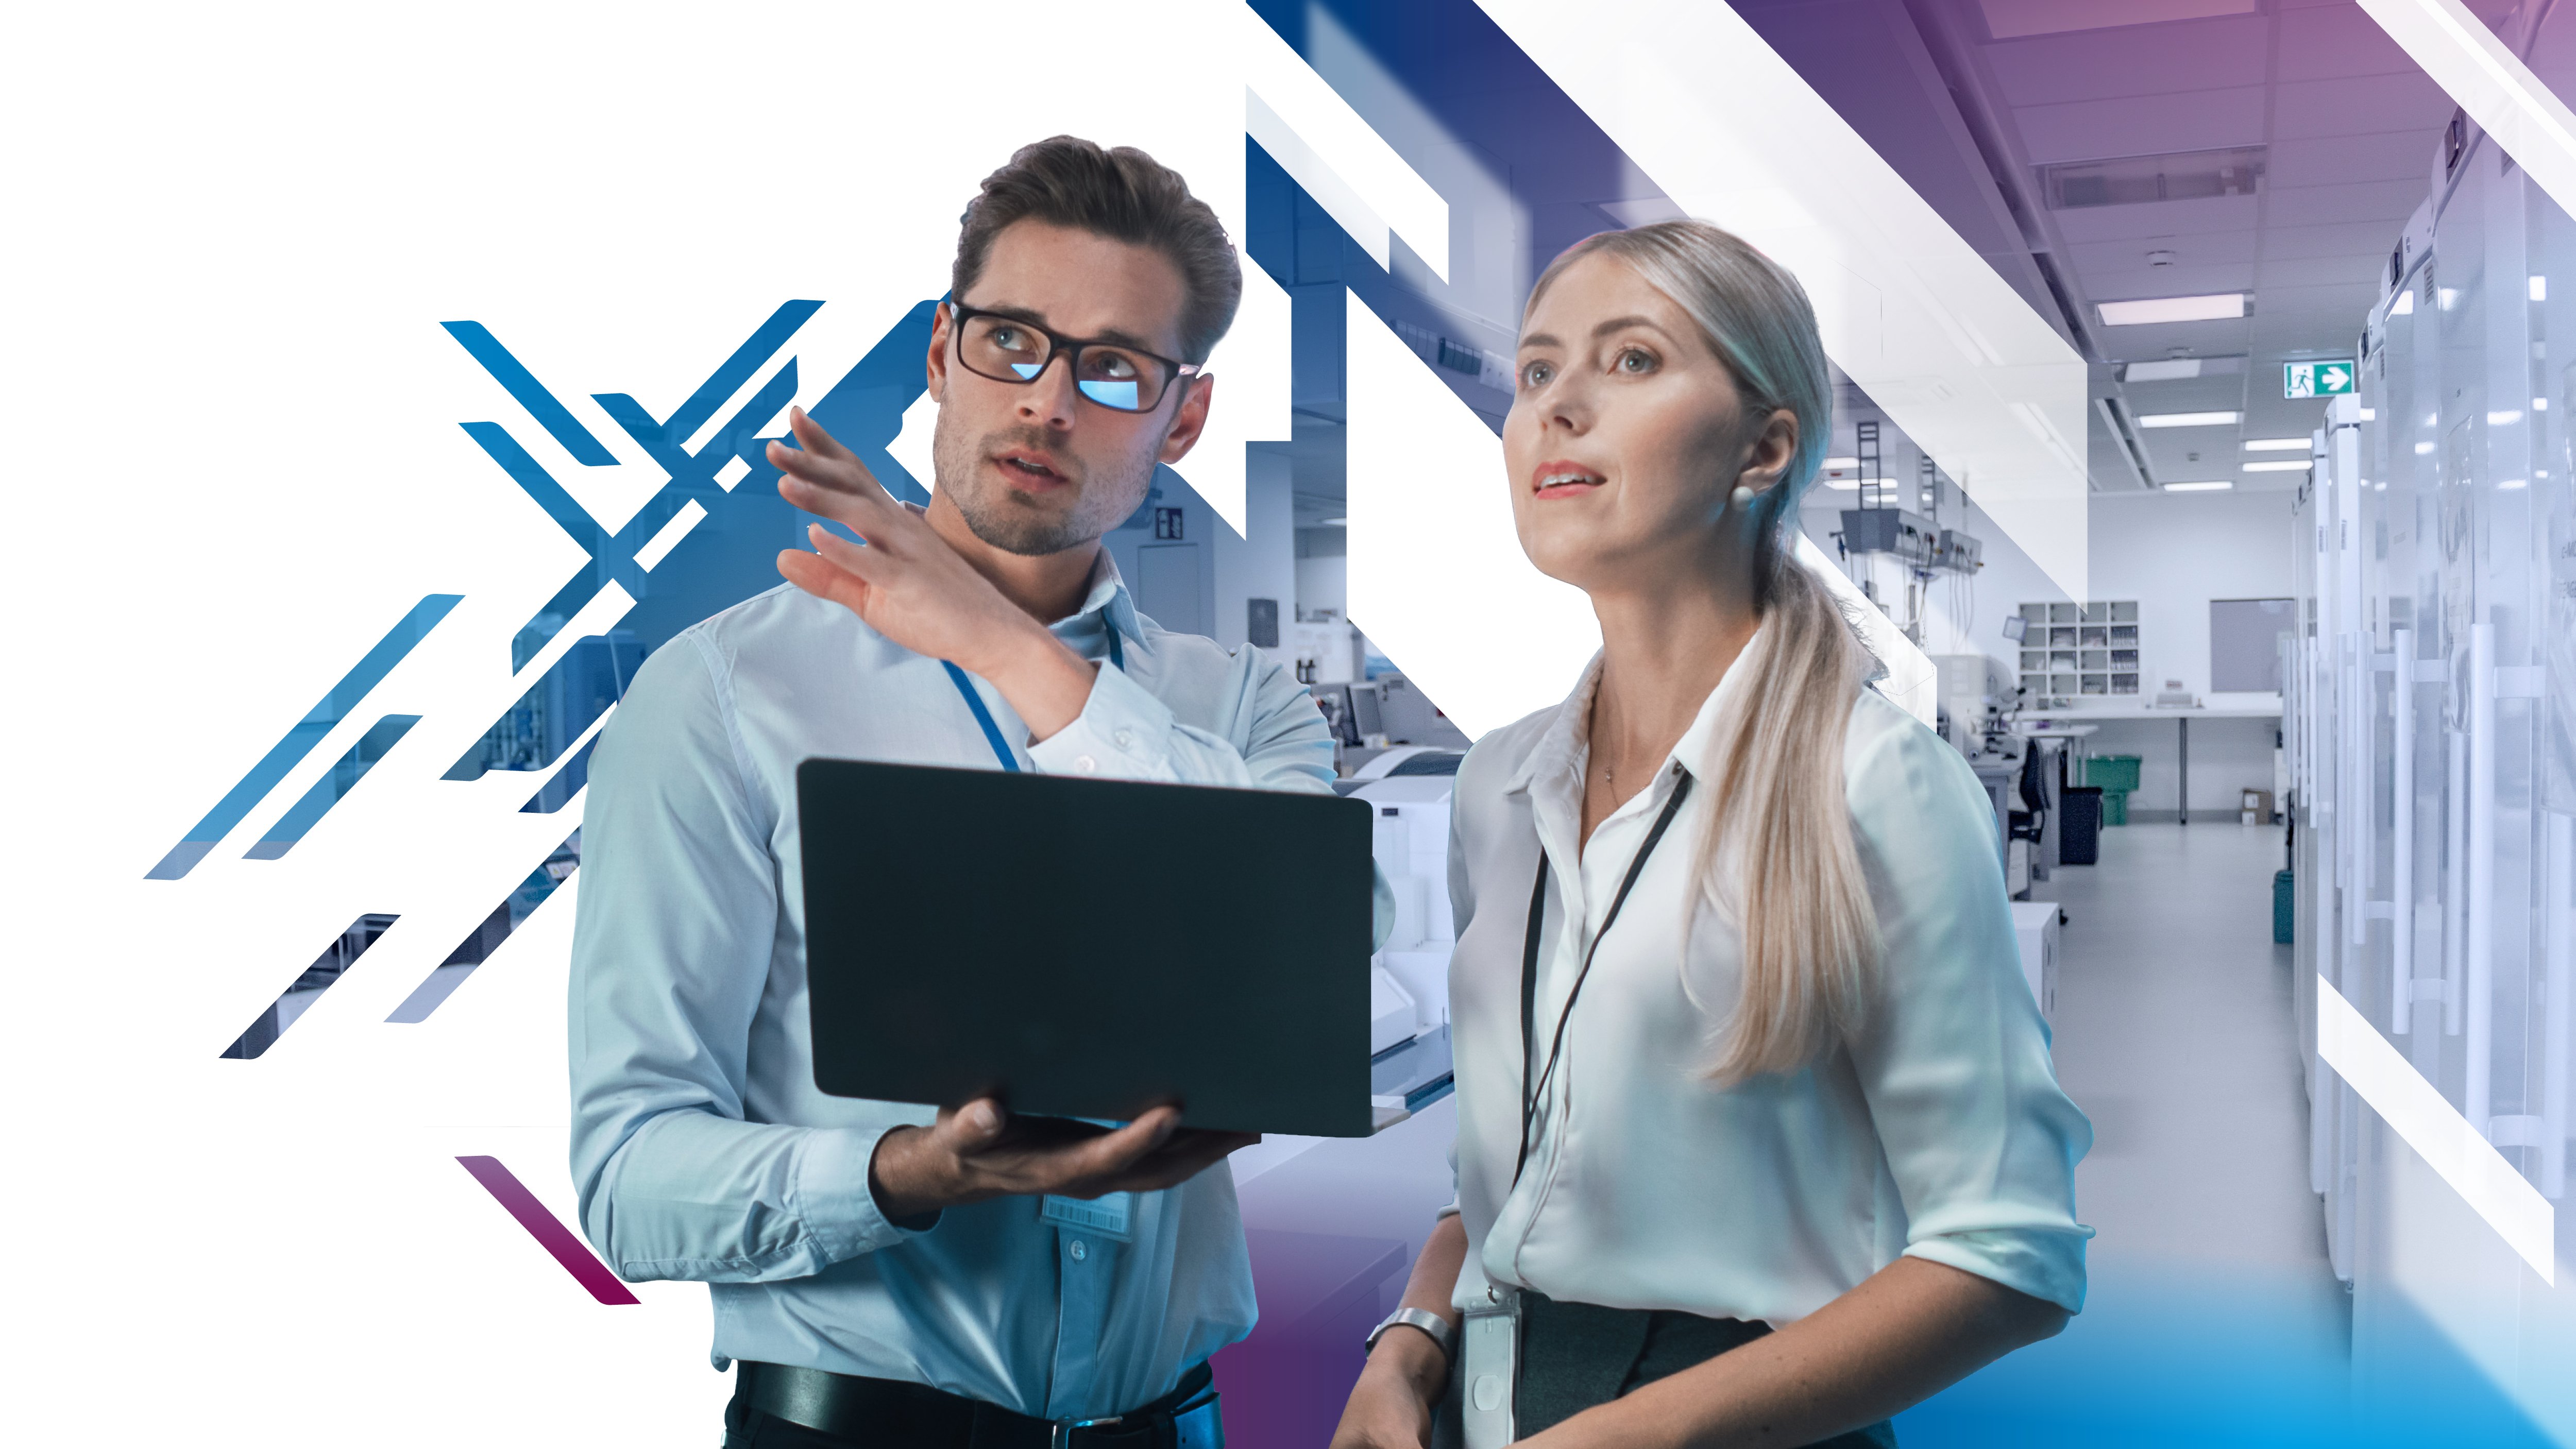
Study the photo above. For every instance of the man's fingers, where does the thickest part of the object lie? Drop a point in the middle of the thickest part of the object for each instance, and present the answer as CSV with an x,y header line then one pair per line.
x,y
1115,1152
867,563
975,1126
824,478
818,442
824,579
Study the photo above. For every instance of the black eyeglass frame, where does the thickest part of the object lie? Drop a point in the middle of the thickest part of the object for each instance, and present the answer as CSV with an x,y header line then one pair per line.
x,y
959,314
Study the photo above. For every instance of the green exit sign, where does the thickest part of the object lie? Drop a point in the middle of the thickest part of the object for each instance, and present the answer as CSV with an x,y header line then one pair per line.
x,y
2315,379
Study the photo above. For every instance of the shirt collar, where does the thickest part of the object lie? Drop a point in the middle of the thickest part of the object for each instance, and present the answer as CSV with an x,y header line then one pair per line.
x,y
1563,744
1107,596
1566,743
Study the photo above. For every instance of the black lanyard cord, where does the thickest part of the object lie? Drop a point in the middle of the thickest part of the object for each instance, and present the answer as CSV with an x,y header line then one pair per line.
x,y
1529,963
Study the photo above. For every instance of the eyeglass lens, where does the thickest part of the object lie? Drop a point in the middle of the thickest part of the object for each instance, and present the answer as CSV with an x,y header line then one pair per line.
x,y
1114,377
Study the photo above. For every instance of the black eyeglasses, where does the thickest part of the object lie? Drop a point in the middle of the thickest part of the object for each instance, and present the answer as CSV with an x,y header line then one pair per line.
x,y
1115,375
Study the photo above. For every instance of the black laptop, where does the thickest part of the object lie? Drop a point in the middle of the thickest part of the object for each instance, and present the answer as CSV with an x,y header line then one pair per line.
x,y
1088,948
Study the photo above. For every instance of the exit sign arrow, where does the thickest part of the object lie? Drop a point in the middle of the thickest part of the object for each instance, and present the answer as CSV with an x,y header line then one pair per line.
x,y
2316,379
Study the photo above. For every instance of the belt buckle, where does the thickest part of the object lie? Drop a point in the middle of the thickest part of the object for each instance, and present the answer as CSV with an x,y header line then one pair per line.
x,y
1060,1432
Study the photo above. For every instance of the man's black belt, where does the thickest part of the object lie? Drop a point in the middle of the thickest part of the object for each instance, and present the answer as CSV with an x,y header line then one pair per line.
x,y
893,1412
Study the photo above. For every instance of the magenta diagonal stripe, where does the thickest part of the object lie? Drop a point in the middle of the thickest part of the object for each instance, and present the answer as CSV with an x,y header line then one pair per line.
x,y
548,1230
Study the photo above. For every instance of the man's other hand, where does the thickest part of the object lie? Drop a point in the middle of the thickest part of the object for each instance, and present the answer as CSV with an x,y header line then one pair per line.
x,y
980,1151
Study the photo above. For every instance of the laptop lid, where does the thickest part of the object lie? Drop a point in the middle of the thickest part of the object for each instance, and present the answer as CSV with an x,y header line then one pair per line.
x,y
1088,948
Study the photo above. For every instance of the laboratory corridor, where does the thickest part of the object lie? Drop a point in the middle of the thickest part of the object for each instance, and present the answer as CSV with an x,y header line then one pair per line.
x,y
2214,1316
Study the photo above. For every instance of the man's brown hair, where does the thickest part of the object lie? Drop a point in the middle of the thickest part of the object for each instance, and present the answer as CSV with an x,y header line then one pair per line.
x,y
1120,193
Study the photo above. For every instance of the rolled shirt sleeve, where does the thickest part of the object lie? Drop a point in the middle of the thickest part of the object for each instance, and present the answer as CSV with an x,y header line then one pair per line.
x,y
1954,1062
677,917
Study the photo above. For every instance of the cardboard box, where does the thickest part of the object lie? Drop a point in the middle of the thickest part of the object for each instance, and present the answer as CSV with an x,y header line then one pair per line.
x,y
2255,808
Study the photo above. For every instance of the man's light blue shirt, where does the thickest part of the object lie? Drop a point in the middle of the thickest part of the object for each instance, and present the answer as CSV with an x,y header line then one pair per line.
x,y
700,1146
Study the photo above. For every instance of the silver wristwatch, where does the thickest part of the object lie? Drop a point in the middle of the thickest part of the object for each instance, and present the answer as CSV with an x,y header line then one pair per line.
x,y
1429,1322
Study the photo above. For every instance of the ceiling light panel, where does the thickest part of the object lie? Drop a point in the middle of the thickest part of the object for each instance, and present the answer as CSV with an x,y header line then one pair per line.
x,y
2012,19
2280,466
2208,307
2130,180
2212,486
2170,370
2190,420
2277,445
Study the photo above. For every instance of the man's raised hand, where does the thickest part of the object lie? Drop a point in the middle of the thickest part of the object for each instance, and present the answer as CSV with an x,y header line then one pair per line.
x,y
907,583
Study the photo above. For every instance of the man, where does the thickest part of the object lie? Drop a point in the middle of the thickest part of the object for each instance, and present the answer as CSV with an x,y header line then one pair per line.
x,y
884,1274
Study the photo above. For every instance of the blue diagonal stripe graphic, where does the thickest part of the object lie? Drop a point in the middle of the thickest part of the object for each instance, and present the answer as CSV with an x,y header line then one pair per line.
x,y
550,414
540,484
737,369
306,733
339,780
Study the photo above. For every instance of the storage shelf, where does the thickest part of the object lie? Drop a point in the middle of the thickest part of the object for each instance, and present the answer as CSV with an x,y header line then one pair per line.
x,y
2071,651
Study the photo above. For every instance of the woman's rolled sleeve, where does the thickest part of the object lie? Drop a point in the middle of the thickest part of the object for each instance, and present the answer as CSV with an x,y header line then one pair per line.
x,y
1954,1061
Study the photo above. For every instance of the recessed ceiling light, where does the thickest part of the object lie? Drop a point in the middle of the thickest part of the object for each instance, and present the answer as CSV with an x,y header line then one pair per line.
x,y
2213,307
1852,485
2504,418
2540,289
2276,467
2210,487
2275,445
2189,420
2170,370
1844,465
2511,484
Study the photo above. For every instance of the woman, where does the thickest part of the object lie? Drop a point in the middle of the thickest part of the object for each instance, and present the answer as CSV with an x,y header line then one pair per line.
x,y
1756,1121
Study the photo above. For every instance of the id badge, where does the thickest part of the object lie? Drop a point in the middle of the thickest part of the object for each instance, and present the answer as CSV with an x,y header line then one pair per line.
x,y
1108,1215
1489,1359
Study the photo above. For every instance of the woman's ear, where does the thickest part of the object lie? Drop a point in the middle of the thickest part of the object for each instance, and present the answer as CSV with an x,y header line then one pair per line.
x,y
1767,461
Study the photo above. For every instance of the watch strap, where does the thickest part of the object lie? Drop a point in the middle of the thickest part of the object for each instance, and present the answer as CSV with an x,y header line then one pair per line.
x,y
1432,1324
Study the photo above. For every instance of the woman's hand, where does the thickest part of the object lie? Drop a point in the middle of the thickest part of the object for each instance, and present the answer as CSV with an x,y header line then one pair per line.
x,y
1390,1407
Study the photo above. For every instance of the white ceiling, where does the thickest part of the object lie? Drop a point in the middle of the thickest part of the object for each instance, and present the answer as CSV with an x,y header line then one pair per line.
x,y
2351,125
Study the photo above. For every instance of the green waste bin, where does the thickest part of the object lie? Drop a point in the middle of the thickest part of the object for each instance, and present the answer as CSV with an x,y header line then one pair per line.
x,y
2112,772
2285,906
2115,776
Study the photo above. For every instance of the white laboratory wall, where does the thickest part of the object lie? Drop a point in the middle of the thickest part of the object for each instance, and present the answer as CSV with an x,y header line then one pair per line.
x,y
1176,588
1260,563
2173,553
1324,583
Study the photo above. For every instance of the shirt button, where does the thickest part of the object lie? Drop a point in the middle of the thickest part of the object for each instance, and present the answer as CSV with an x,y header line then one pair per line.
x,y
1078,1249
1085,764
1125,738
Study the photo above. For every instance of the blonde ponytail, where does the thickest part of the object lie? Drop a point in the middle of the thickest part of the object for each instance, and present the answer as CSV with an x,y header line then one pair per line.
x,y
1779,815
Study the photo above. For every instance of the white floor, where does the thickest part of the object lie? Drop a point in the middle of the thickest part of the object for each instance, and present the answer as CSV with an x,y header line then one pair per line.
x,y
2211,1305
2175,1035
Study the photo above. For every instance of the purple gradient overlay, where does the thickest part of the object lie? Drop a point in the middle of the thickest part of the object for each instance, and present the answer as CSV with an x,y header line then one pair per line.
x,y
549,1231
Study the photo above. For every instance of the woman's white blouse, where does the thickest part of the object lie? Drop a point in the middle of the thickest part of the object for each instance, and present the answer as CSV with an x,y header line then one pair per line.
x,y
1937,1132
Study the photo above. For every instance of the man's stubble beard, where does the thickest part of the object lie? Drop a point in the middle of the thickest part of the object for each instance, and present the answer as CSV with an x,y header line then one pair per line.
x,y
1001,517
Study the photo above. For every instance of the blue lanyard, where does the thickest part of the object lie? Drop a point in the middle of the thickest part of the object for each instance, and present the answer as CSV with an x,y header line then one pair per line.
x,y
984,717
